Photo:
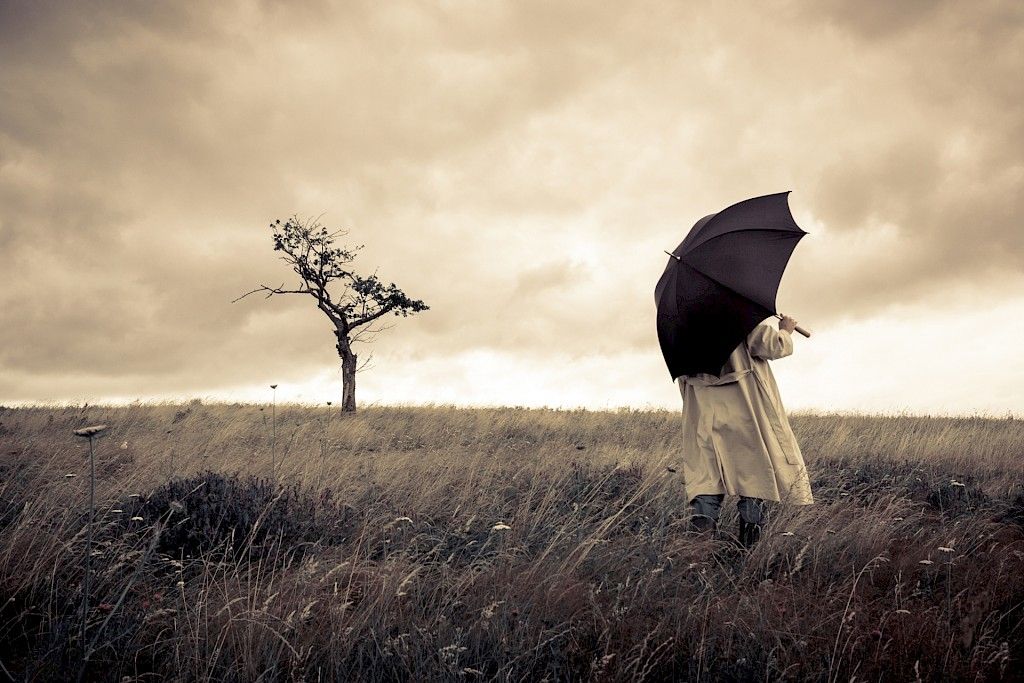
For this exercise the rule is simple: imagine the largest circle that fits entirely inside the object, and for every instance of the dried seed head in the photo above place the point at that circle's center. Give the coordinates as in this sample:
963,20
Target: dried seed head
87,432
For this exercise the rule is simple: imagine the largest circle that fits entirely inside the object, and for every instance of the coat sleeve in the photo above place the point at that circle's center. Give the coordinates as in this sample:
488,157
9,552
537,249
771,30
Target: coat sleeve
769,343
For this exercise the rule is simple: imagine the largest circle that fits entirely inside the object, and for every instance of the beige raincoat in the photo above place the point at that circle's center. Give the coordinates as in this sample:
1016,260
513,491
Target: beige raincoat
736,436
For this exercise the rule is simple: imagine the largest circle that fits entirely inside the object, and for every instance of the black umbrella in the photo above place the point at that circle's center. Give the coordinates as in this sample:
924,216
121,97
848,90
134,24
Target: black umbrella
722,281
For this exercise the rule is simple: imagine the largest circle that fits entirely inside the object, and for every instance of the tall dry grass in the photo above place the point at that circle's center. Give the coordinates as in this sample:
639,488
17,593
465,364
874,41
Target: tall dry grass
500,544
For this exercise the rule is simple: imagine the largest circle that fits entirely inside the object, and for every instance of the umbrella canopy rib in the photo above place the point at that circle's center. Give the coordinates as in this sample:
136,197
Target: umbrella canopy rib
771,309
770,212
691,248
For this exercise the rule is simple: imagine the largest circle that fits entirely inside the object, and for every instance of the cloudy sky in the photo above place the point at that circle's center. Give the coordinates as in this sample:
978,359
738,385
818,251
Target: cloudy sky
520,166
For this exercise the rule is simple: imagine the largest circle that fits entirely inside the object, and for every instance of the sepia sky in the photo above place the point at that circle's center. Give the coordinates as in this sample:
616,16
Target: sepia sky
520,166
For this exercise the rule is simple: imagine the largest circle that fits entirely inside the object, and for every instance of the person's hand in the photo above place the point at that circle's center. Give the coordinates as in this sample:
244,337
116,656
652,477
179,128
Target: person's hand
787,324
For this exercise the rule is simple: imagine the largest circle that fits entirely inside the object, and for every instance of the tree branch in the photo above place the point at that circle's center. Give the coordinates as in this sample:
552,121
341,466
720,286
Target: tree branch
271,291
370,318
366,363
367,335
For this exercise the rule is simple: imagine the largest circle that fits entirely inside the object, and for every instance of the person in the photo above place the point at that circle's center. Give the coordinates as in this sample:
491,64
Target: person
736,436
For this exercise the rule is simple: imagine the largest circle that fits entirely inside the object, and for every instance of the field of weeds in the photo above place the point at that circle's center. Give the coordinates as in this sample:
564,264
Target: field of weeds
488,544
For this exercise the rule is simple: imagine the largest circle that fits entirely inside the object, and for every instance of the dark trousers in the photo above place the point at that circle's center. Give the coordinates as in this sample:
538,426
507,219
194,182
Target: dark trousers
710,505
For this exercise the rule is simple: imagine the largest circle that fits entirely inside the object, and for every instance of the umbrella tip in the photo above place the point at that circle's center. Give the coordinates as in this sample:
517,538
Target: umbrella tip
677,258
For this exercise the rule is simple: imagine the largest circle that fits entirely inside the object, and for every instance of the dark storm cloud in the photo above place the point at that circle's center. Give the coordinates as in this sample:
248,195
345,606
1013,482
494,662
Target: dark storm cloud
519,166
942,162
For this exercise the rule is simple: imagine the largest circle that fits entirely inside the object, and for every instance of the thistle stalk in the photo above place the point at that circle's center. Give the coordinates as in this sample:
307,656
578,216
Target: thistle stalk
89,433
273,441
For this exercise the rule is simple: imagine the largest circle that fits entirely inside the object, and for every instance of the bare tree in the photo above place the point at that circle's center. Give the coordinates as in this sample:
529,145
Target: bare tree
353,303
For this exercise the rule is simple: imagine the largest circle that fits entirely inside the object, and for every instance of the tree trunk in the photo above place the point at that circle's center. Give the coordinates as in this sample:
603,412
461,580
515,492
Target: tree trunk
348,383
348,374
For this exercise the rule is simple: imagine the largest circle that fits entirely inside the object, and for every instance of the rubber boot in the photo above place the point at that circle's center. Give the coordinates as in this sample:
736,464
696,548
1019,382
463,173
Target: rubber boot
749,534
704,511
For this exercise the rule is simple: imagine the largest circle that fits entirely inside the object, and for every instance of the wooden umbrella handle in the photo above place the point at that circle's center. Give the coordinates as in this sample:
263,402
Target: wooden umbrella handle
806,333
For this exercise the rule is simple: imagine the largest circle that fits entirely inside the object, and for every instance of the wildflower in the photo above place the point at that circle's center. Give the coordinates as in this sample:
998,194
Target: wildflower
117,511
403,519
136,518
925,562
786,533
844,493
451,649
491,609
897,519
500,527
180,584
124,446
954,482
902,611
945,549
70,476
156,614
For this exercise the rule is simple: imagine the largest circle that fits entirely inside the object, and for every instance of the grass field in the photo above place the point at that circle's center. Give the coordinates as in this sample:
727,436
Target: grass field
487,544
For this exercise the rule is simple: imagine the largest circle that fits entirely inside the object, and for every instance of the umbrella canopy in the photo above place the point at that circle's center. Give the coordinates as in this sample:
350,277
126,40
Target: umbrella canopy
721,281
